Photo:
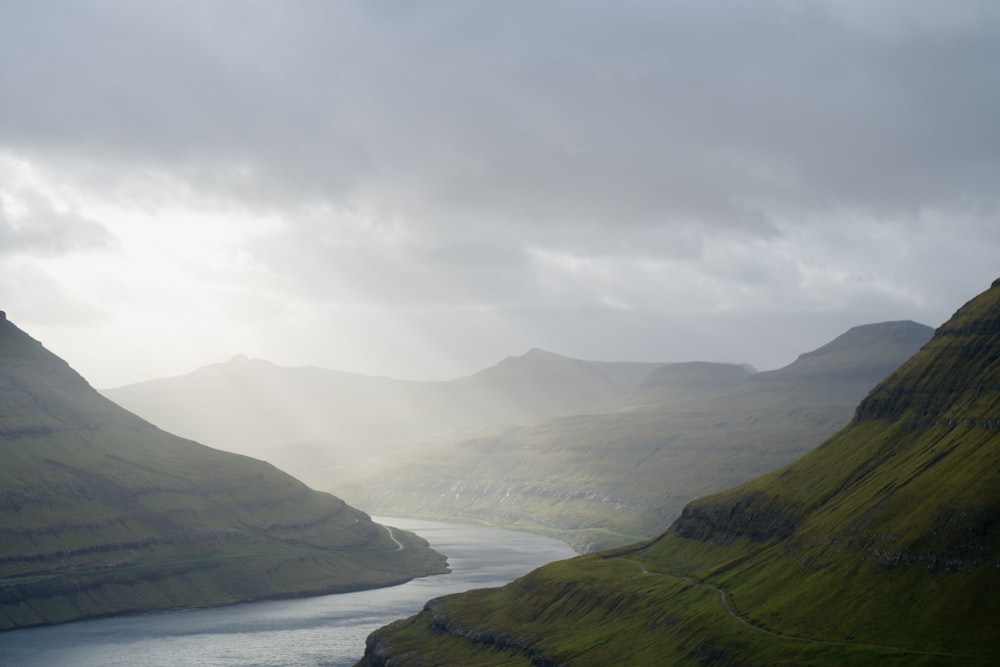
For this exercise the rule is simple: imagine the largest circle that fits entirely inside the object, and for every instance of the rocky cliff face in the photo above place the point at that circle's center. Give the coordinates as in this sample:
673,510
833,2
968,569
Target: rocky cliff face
754,515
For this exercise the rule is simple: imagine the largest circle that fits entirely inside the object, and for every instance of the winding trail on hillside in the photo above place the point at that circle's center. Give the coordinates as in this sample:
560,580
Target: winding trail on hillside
392,536
724,600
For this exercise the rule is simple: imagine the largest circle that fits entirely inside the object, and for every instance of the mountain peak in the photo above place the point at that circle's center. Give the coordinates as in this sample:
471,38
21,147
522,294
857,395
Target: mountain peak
535,355
240,362
866,334
538,353
692,379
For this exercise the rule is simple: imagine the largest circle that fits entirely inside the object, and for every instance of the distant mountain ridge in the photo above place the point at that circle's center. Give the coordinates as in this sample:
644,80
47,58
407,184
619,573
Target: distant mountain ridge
102,513
538,441
880,546
314,422
611,477
689,380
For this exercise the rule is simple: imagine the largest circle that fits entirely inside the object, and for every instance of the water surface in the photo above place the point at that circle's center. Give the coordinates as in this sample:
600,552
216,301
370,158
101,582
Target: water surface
327,630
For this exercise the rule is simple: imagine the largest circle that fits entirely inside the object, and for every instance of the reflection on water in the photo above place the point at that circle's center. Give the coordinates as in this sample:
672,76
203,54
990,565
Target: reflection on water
326,630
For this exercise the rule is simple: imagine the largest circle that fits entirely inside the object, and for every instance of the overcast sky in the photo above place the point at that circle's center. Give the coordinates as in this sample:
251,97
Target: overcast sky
421,188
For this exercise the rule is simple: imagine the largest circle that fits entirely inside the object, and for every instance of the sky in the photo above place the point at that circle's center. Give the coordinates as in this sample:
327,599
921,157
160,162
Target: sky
420,189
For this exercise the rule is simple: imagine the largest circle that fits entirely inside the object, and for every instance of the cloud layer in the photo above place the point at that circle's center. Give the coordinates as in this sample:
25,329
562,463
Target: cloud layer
450,181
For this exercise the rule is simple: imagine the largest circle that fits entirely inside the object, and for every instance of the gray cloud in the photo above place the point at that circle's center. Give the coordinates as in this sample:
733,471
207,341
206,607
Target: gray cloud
560,161
619,113
40,229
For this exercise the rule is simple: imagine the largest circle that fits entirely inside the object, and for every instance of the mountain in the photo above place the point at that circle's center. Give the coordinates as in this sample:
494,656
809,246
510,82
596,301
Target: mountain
538,383
595,453
881,546
102,513
687,381
254,407
862,356
320,424
613,477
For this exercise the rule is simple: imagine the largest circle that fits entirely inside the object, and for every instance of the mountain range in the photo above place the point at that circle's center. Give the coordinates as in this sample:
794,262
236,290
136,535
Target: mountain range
103,513
319,424
611,477
880,546
595,453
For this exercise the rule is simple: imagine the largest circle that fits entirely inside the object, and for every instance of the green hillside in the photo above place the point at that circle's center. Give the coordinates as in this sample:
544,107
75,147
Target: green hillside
102,513
881,546
614,477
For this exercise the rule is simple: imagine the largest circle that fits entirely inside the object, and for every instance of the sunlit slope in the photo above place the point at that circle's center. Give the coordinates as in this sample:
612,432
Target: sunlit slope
318,423
102,513
882,546
902,509
604,479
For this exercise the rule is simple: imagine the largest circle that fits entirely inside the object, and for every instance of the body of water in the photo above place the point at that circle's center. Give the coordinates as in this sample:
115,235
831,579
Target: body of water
327,630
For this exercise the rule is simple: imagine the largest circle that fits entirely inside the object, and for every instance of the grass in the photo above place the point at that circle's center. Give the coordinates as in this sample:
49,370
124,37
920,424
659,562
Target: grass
602,480
102,513
591,611
879,547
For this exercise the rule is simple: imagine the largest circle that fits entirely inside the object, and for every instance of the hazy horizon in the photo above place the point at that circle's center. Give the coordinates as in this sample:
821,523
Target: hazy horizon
420,190
241,357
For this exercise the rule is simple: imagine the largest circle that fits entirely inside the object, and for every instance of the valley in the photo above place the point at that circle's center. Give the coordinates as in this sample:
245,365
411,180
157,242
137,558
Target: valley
880,546
797,554
598,454
666,333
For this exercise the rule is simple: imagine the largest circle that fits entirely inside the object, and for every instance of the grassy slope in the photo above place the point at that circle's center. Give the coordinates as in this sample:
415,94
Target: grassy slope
880,547
102,513
599,480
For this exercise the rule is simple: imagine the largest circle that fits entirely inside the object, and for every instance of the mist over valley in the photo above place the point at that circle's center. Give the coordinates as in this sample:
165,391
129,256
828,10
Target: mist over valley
595,453
643,321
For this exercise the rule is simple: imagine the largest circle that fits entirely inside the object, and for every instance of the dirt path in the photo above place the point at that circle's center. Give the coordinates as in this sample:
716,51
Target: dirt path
724,600
392,536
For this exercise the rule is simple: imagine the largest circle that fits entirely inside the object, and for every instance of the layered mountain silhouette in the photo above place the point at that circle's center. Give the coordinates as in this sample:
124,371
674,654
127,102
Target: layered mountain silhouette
881,546
596,453
617,476
318,423
102,513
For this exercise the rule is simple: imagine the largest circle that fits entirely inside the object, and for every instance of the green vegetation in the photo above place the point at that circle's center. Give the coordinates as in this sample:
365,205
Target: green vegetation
596,453
611,478
102,513
882,546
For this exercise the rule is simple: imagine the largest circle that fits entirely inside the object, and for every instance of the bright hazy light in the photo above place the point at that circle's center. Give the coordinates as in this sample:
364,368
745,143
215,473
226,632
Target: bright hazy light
423,191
